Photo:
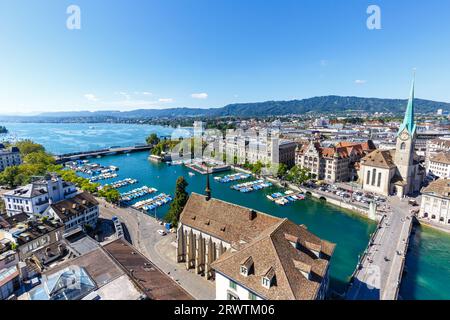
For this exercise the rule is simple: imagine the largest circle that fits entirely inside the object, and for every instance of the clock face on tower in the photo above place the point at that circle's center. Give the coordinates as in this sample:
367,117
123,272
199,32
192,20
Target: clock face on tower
404,135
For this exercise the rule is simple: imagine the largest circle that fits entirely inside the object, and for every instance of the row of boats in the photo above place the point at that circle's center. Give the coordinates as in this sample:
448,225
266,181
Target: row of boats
232,177
122,183
93,169
136,193
153,203
286,197
252,185
103,176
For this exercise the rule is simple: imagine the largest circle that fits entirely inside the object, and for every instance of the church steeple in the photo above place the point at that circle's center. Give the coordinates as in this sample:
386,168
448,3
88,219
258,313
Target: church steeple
207,189
408,121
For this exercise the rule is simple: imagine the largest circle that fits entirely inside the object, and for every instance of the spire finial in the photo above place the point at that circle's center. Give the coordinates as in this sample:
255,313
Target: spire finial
207,189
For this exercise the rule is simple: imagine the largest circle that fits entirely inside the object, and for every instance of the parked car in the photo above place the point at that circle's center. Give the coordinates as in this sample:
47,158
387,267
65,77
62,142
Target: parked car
162,232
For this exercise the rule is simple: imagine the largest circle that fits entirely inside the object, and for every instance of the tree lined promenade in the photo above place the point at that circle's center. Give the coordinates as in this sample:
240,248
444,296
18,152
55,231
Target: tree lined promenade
38,162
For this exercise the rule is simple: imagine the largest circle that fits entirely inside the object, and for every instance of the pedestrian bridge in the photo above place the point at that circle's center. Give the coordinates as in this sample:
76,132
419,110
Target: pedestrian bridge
378,274
101,152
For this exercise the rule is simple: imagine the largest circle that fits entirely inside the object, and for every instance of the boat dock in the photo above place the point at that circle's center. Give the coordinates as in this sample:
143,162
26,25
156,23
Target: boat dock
136,193
63,158
103,176
286,197
153,203
122,183
232,177
252,186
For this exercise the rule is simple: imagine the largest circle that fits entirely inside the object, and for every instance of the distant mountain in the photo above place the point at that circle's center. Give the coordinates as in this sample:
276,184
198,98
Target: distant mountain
325,104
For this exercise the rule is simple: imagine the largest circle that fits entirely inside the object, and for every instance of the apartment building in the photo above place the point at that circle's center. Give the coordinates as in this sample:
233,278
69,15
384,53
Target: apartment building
435,206
439,165
34,198
9,157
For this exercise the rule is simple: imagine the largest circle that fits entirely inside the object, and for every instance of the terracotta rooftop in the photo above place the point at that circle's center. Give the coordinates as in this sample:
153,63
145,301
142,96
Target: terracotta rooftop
380,159
273,251
225,220
442,157
266,242
440,187
65,209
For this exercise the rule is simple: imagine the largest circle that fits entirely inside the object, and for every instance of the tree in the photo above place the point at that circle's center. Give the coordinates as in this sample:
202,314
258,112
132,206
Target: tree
152,139
178,203
298,175
257,167
282,170
27,146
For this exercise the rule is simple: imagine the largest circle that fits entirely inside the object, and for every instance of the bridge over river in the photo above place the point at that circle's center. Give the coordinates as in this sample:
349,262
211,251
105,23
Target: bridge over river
102,152
379,272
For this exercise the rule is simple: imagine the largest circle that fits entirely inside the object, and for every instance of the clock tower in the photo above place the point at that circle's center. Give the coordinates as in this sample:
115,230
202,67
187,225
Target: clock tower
404,151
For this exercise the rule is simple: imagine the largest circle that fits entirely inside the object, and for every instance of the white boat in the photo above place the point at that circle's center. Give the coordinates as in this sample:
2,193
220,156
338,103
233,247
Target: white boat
191,174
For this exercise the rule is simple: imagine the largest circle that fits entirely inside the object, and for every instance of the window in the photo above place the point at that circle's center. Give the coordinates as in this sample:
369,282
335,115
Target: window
231,296
379,179
266,282
244,271
403,146
232,285
252,296
374,174
368,177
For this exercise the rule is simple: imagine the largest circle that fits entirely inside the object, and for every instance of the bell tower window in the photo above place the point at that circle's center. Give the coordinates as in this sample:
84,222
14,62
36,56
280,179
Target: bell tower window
403,146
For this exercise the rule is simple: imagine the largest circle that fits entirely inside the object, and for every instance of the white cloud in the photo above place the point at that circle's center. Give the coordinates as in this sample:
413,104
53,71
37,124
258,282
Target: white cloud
360,81
144,93
199,95
91,97
165,100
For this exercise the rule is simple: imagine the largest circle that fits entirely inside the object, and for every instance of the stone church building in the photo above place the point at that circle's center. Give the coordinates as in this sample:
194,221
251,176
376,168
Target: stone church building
396,171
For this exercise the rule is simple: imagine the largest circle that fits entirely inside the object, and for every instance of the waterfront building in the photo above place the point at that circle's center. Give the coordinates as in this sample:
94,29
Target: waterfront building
264,146
439,165
333,164
435,204
34,198
433,147
9,157
76,213
395,171
251,255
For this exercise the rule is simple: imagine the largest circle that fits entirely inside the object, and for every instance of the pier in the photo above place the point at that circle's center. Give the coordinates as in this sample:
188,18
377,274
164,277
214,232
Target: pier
102,152
379,271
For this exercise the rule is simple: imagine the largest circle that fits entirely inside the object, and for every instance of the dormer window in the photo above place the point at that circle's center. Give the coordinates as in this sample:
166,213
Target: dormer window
266,282
268,278
246,266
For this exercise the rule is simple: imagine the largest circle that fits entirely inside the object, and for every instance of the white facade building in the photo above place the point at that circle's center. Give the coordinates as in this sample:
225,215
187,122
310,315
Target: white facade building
435,206
9,157
35,197
439,165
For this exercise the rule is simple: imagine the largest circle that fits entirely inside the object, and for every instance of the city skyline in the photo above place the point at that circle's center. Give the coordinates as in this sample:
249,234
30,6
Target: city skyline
210,54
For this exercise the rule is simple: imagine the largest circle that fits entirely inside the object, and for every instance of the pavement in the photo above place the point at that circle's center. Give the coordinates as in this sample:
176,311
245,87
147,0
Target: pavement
141,230
381,270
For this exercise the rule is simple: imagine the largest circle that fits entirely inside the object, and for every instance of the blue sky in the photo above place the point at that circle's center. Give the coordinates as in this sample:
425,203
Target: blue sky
209,53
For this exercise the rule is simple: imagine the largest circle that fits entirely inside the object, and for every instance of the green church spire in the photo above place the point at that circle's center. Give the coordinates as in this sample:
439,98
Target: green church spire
408,121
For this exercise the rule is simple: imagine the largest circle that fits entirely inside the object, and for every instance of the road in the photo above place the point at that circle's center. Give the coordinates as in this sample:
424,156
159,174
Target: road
382,265
142,230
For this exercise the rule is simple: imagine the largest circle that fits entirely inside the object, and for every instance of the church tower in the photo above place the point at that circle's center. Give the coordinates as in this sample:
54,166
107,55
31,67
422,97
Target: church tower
404,151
